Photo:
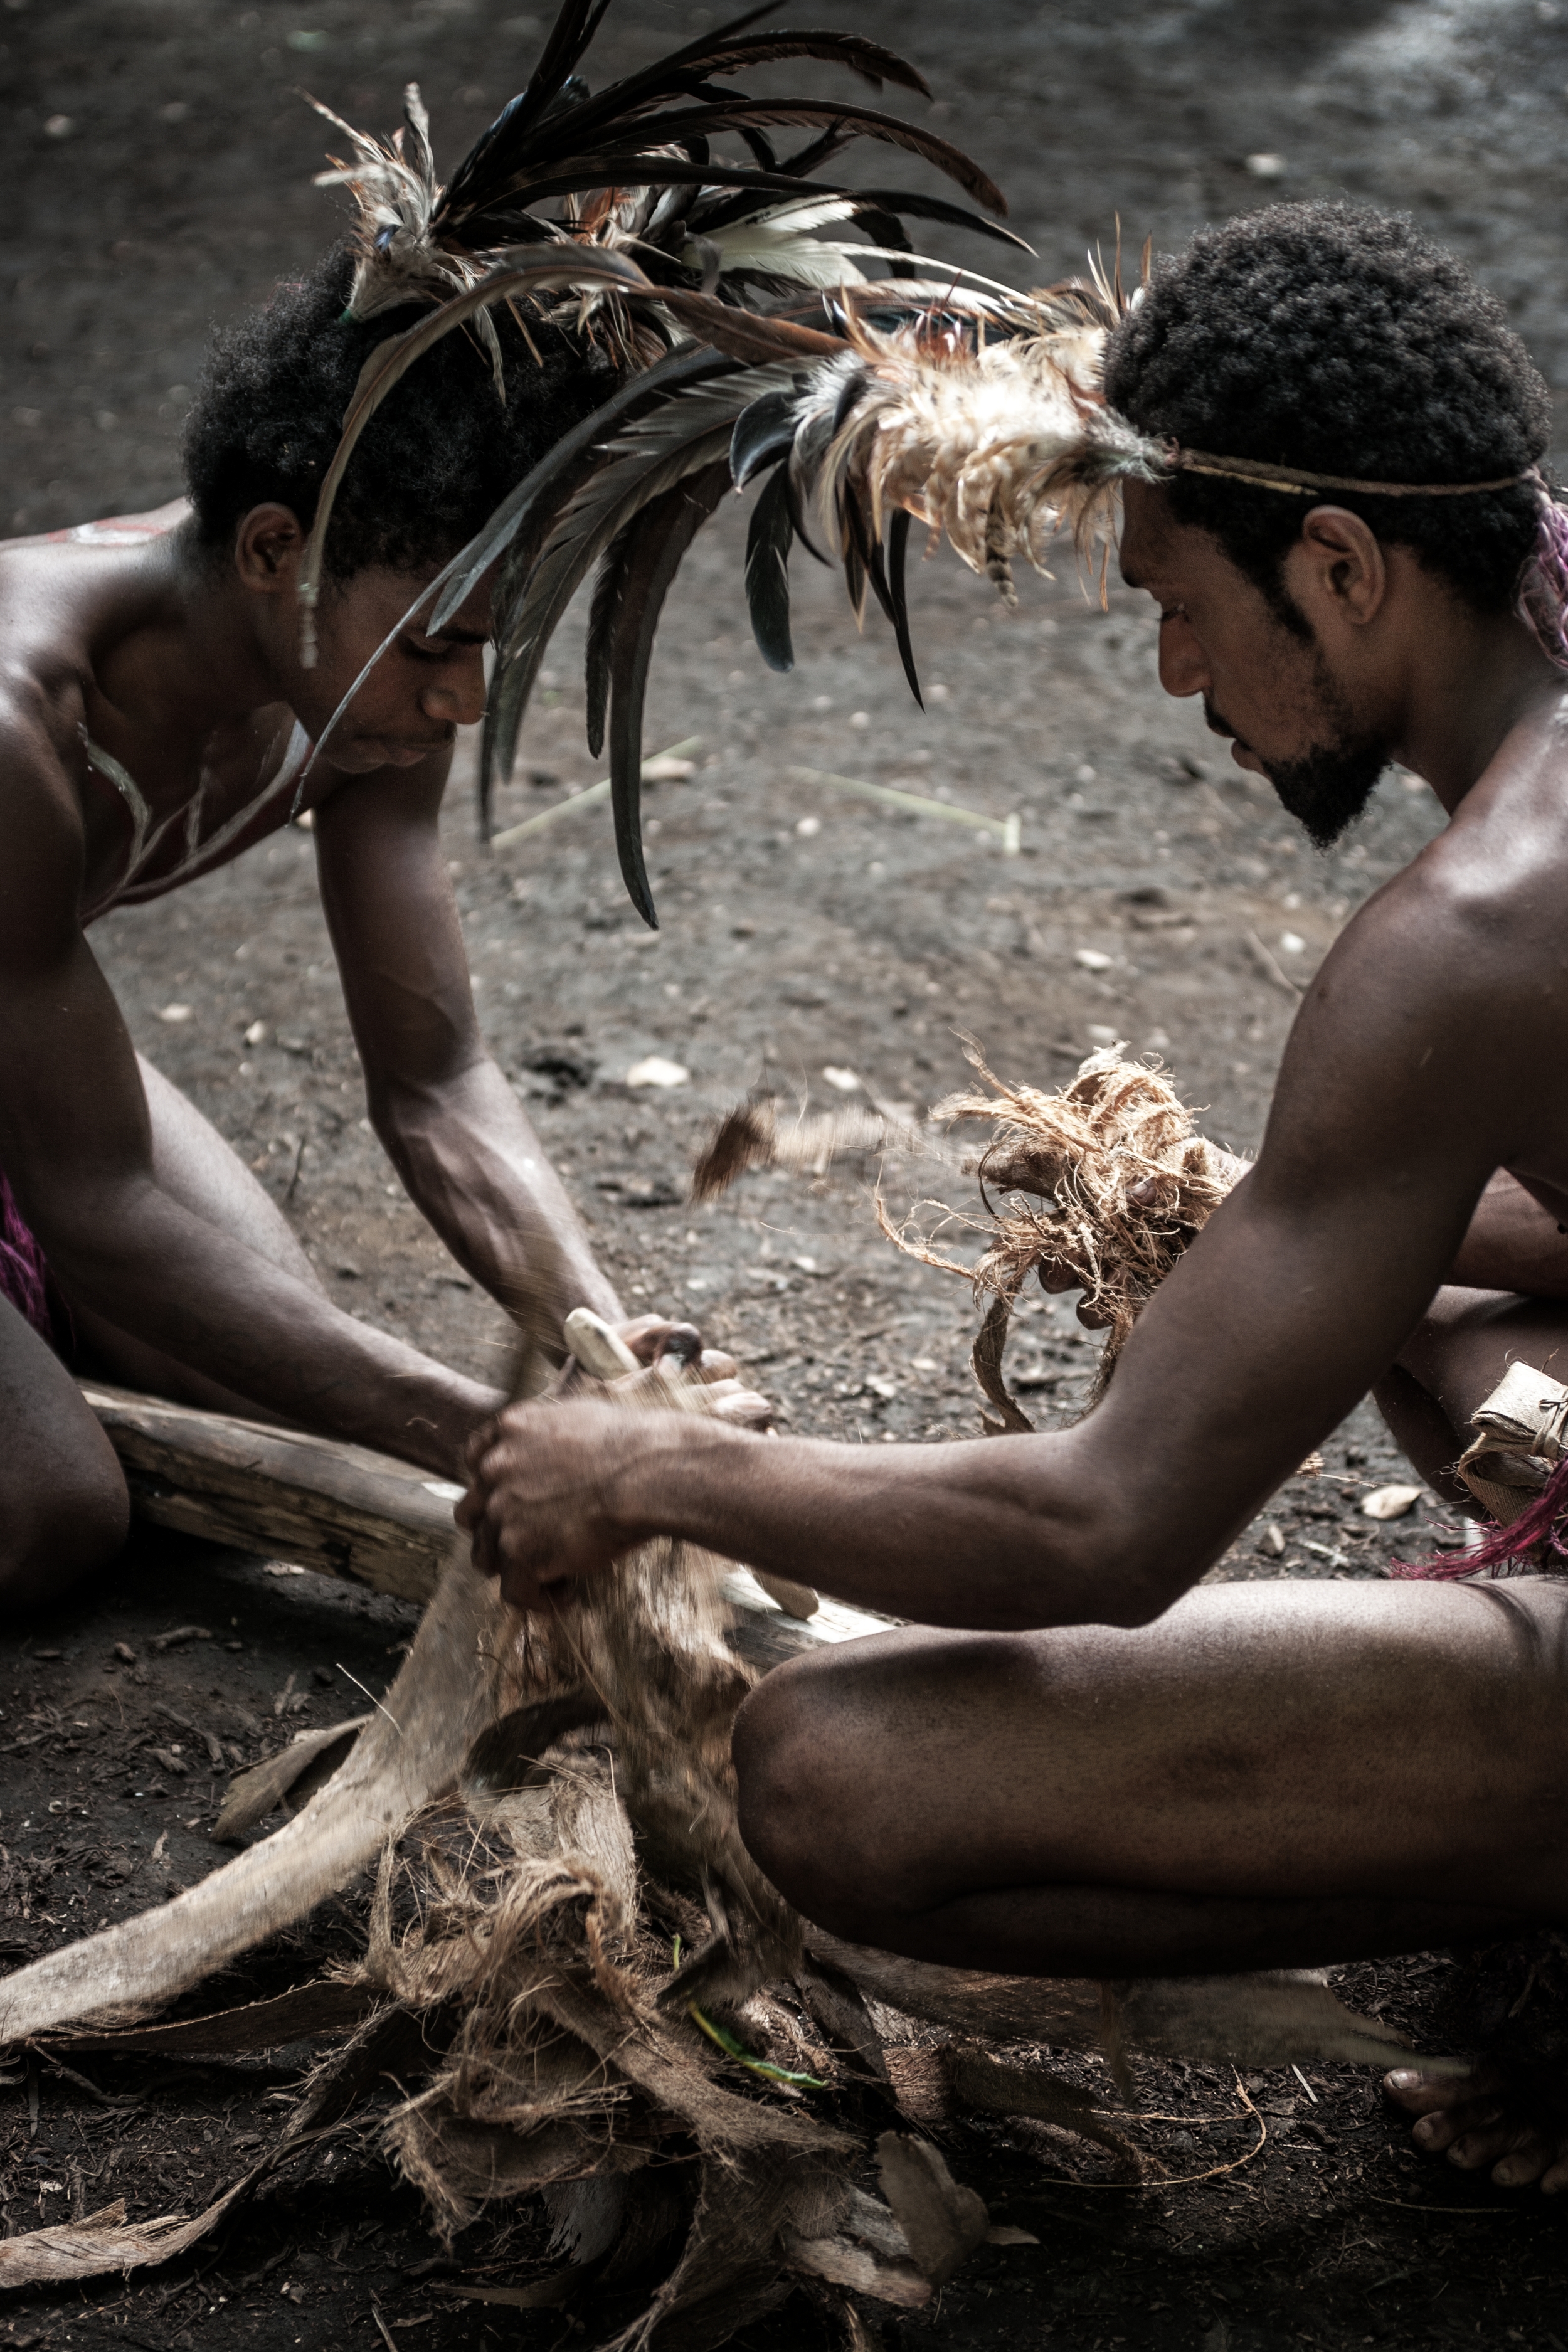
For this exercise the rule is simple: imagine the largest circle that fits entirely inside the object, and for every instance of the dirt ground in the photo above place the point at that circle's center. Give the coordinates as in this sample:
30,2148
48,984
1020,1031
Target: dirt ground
159,181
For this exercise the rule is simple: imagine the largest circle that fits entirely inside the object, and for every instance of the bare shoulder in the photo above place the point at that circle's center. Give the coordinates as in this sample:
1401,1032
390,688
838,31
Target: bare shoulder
109,531
1438,1019
1477,915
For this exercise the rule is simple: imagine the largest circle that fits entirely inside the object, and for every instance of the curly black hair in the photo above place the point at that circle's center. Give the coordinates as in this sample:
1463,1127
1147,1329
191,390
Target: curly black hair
1341,340
437,458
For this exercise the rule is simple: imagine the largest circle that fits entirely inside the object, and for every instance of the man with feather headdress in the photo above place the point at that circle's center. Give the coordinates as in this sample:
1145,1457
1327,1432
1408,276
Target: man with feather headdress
1073,1763
162,711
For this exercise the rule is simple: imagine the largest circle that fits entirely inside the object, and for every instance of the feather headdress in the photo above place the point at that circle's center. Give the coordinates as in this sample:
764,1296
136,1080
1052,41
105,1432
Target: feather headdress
633,169
977,412
978,415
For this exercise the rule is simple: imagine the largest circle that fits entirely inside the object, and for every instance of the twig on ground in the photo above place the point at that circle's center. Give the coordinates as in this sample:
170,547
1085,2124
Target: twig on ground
1008,830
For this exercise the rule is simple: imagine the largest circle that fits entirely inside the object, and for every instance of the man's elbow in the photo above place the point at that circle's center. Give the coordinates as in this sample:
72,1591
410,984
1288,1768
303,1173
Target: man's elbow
1118,1575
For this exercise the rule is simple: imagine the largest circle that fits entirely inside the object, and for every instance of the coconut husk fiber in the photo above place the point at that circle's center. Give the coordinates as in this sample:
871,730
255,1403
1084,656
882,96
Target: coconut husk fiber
1105,1181
589,1993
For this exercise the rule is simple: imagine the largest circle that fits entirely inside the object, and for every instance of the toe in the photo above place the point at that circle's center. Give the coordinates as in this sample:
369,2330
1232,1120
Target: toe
1443,2125
1524,2163
1472,2149
1421,2094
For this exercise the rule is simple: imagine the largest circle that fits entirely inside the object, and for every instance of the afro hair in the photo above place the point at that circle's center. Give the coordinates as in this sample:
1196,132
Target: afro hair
435,460
1338,340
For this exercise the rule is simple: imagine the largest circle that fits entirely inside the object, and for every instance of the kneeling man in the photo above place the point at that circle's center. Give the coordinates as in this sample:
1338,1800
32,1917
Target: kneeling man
1073,1762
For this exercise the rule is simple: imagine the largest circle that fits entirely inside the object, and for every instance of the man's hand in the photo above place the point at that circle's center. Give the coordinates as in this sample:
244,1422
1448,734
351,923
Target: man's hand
541,1507
541,1504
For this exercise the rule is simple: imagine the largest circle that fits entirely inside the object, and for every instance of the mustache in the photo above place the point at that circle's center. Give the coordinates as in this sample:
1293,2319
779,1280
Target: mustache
1218,724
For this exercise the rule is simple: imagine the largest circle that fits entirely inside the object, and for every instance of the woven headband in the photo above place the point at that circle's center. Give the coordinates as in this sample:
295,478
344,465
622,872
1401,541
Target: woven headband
1296,483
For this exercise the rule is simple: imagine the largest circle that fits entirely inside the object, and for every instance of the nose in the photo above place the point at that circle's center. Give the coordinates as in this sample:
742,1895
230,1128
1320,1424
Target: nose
1183,670
457,699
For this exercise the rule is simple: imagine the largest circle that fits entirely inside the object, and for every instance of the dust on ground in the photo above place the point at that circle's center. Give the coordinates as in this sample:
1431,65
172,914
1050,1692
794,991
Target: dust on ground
160,179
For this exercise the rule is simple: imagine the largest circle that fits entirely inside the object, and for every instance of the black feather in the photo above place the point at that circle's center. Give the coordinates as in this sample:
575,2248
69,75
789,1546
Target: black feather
683,438
859,528
898,545
761,147
661,535
702,61
602,615
768,544
763,433
855,582
895,201
708,121
525,517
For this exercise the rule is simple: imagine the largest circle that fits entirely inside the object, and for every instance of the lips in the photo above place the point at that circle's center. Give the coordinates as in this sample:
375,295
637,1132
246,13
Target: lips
393,754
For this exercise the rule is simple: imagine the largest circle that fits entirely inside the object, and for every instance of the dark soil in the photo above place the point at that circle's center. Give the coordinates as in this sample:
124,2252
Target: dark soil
160,179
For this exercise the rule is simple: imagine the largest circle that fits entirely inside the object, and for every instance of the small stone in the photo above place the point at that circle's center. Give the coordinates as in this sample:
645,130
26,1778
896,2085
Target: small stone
654,1071
1391,1502
1092,959
174,1015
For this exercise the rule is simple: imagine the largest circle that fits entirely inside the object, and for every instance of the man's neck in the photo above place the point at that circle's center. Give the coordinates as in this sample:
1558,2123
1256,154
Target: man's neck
1473,682
192,658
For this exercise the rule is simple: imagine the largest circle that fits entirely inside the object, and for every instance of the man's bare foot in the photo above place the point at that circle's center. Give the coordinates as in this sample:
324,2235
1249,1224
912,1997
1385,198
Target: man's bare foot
1471,2117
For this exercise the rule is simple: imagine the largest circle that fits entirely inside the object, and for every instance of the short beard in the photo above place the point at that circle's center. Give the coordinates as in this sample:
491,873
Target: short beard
1328,787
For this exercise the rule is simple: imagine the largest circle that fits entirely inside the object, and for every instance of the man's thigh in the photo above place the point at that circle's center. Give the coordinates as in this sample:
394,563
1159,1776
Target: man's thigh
196,1167
63,1504
1291,1739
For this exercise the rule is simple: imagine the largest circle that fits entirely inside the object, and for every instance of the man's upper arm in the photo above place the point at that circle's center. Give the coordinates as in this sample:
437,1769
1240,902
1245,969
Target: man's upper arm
1306,1283
73,1114
393,921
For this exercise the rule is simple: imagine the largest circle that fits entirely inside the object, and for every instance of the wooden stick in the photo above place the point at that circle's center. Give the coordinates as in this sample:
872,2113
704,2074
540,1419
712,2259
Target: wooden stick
312,1500
347,1511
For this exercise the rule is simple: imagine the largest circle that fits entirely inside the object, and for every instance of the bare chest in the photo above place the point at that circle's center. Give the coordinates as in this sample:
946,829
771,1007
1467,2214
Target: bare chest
155,825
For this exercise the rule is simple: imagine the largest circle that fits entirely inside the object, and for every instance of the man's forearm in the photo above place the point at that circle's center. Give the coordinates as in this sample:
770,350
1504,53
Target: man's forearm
1513,1243
151,1268
477,1170
985,1534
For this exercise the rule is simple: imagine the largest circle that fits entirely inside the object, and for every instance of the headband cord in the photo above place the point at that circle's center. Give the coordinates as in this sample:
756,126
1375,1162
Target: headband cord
1542,602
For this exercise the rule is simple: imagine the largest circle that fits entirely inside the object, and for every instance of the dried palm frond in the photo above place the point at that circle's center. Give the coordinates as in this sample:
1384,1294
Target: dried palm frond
1104,1183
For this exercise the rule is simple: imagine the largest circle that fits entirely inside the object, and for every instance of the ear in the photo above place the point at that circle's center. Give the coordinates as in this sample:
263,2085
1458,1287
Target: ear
1337,570
268,546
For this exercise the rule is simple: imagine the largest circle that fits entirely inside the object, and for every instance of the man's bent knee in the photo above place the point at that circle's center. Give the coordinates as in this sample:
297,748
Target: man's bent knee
54,1534
799,1764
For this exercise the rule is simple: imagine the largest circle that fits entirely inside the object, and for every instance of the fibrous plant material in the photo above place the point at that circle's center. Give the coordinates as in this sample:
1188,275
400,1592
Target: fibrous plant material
753,1135
1104,1183
552,1802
